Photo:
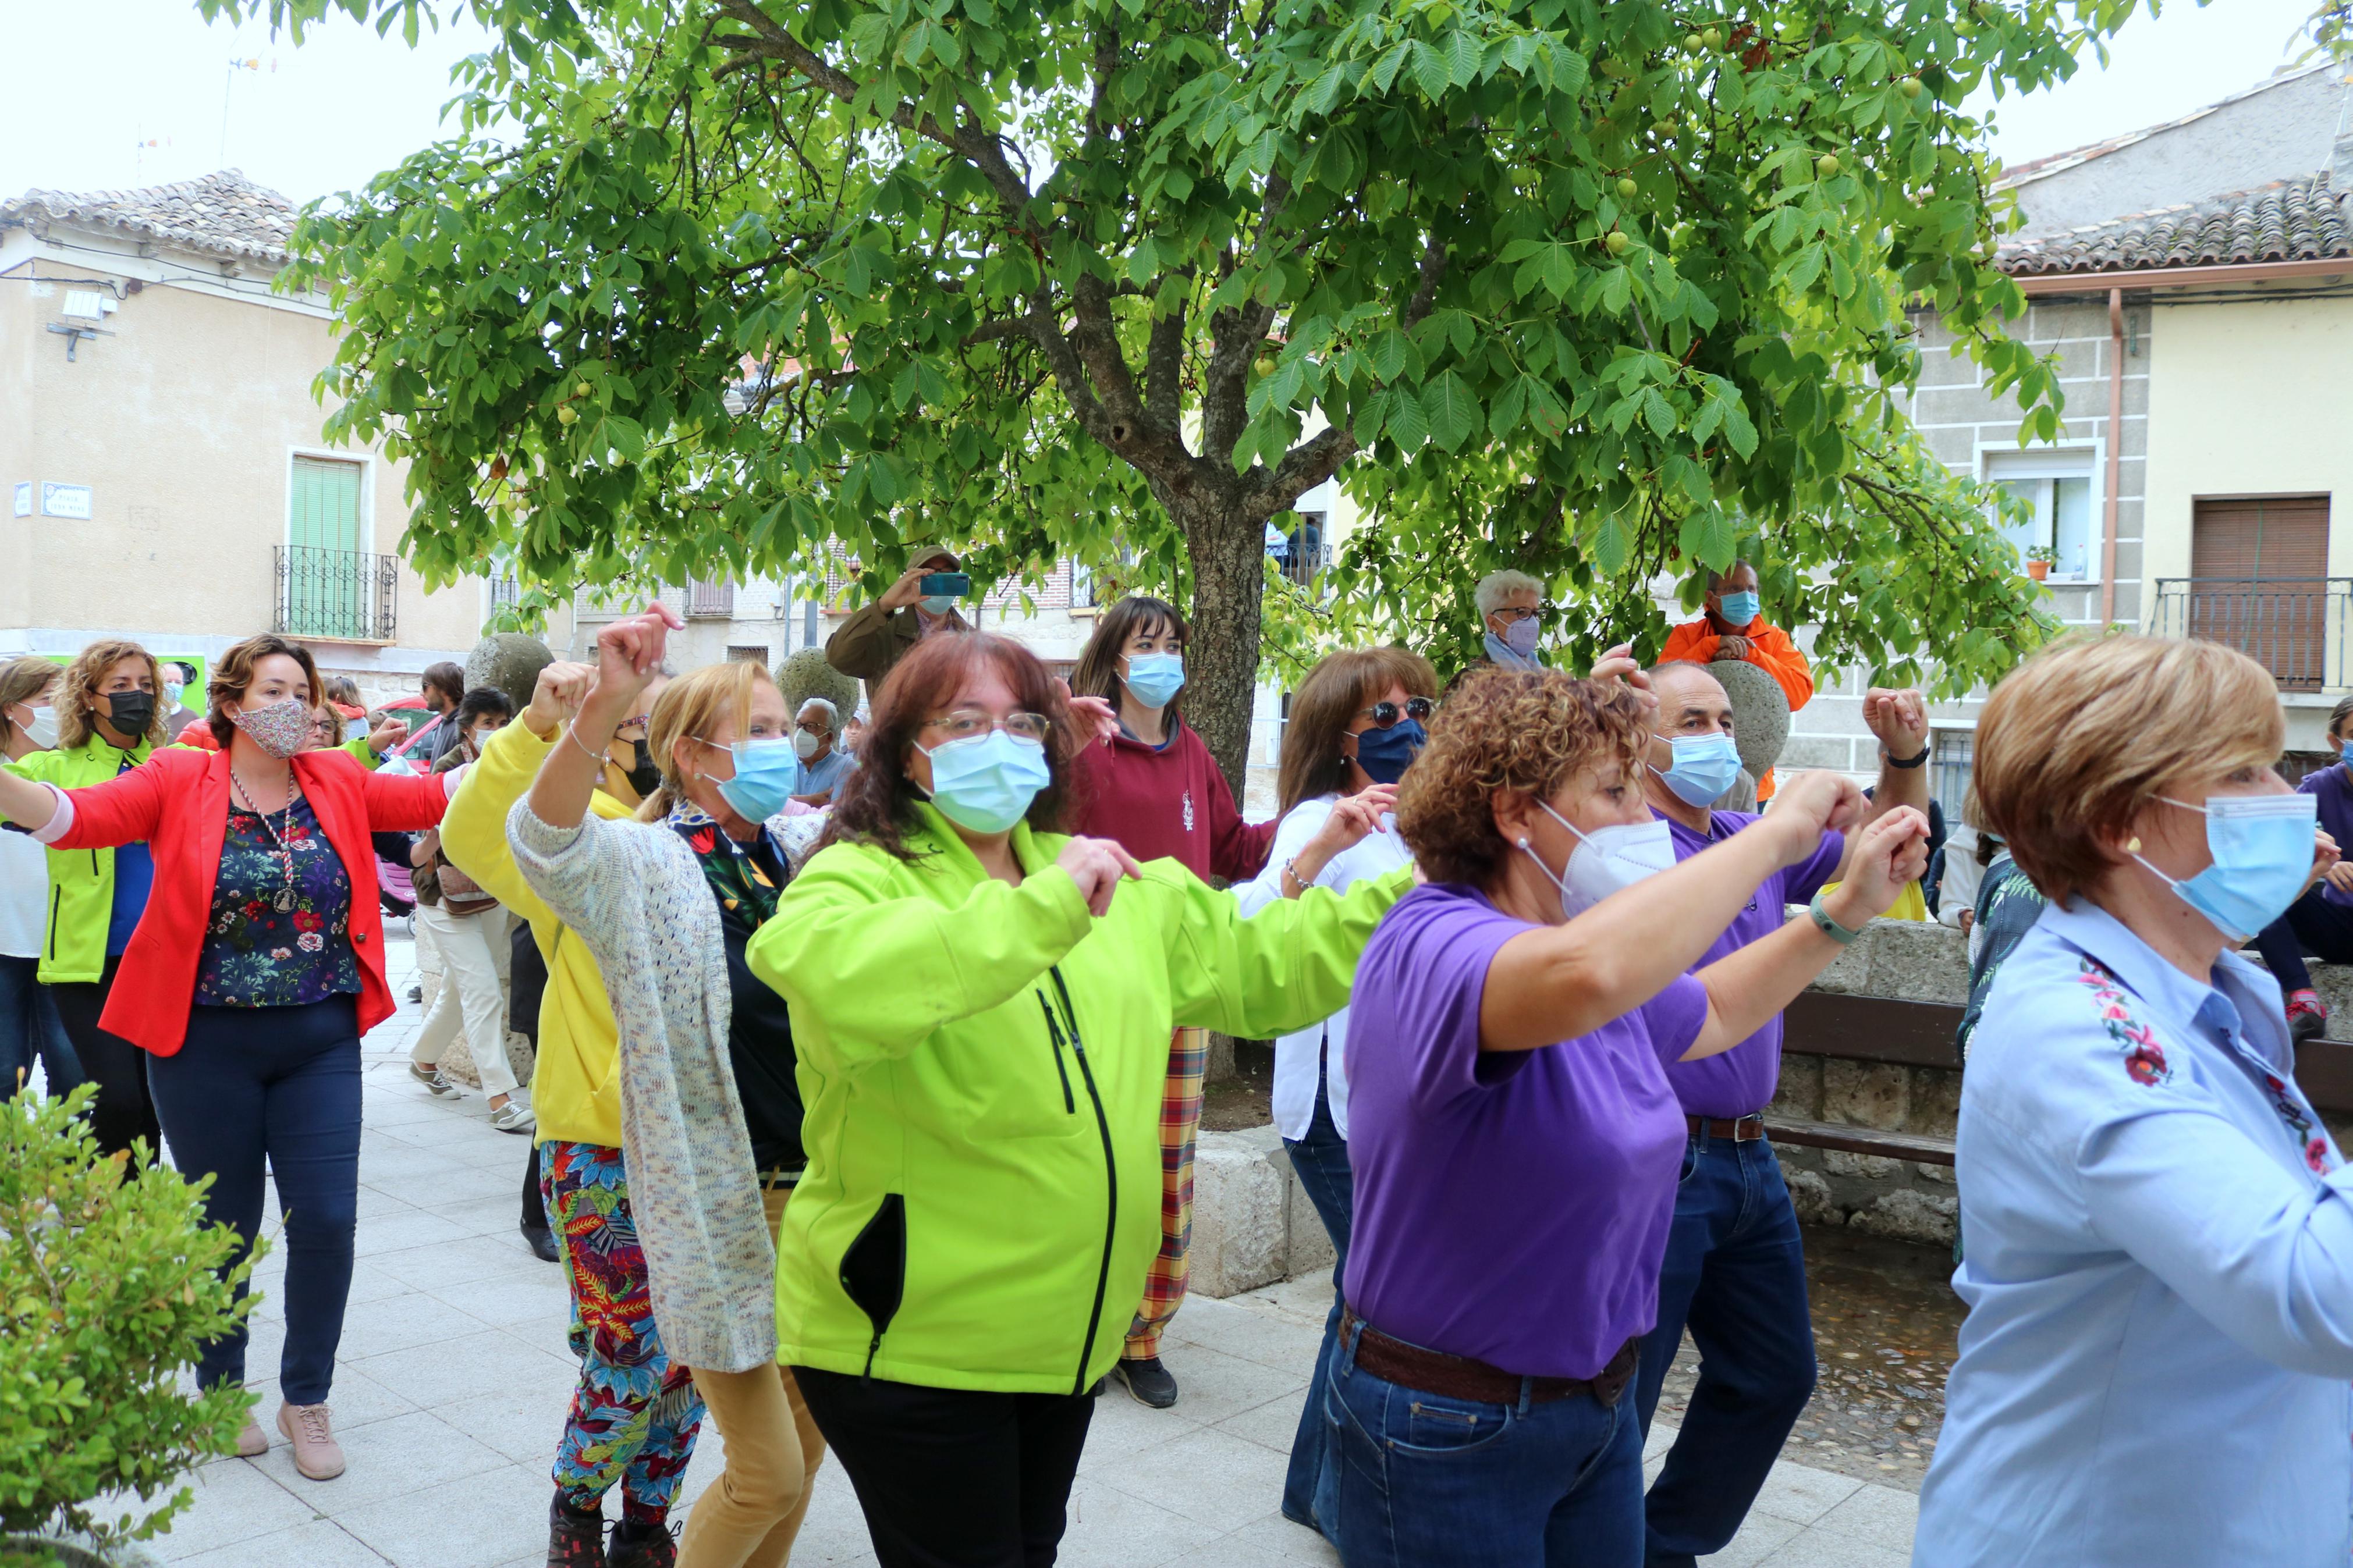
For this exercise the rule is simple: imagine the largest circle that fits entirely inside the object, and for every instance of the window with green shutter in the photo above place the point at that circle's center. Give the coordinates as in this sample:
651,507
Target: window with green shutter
328,580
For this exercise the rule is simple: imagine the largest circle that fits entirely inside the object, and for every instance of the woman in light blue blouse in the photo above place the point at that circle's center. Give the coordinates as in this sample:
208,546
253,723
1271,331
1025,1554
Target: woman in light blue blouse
2160,1273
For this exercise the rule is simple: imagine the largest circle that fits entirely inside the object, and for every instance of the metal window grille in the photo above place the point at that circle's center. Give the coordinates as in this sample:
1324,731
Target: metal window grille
2294,627
339,595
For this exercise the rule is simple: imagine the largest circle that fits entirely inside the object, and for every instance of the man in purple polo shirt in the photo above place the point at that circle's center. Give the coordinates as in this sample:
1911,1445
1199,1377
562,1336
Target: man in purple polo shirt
1735,1269
2320,922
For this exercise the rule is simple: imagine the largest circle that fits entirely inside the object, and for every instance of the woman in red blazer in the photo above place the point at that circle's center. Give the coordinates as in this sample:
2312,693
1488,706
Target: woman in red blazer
254,971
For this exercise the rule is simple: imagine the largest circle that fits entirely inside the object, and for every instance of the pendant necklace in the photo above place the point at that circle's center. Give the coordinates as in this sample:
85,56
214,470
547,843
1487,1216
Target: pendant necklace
283,900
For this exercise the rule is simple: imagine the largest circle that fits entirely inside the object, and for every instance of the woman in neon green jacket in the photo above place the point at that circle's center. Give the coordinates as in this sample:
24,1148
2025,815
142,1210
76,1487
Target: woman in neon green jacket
982,1009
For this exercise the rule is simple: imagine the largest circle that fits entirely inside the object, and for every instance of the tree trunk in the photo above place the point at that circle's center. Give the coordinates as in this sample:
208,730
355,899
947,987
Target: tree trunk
1228,550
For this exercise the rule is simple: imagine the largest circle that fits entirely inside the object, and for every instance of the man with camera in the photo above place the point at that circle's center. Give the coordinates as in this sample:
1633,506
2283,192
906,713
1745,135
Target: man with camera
922,602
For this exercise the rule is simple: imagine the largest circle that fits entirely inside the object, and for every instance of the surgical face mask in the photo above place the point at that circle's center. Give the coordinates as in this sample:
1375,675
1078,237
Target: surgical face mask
1705,767
1740,608
1385,754
172,689
281,728
938,604
1153,677
805,744
43,730
130,712
2262,850
765,774
1521,636
1606,860
986,782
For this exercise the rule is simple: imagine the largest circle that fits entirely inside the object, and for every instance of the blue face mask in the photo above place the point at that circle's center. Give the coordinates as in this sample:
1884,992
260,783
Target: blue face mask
1739,609
2262,850
1705,767
986,782
1153,677
938,604
1385,754
765,774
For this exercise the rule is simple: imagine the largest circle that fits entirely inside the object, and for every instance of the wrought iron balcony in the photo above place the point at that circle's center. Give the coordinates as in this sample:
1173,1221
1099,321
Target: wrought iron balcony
347,595
2296,628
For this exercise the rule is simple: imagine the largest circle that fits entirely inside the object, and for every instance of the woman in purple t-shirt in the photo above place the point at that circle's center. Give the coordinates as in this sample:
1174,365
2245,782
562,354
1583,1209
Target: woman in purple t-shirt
1515,1137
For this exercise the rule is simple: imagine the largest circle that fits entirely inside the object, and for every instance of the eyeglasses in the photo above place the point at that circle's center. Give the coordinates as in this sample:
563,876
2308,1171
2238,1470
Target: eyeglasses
970,723
1515,614
1384,714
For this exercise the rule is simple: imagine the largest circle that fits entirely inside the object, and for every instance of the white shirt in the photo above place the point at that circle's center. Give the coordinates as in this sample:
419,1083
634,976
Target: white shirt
1962,876
1296,1055
23,896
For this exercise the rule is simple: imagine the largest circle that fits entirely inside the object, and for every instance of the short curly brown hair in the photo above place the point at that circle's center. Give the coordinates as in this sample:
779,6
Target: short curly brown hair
1529,730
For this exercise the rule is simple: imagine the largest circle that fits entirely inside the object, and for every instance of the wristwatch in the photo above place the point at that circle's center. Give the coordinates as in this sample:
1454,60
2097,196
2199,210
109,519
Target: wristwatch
1829,928
1912,762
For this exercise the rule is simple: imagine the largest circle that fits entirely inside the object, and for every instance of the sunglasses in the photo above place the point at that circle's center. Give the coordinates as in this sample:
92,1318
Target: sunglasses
1384,714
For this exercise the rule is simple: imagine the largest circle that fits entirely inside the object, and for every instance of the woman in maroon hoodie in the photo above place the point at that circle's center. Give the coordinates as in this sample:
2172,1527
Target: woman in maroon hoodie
1155,788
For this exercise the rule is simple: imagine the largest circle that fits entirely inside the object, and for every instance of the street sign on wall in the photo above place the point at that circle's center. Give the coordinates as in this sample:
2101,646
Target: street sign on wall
65,501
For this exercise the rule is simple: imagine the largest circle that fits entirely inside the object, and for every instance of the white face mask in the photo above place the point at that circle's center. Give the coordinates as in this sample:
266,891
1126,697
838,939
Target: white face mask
805,744
43,731
1607,860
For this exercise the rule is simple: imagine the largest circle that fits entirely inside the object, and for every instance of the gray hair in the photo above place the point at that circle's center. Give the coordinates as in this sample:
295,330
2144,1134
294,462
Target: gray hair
832,713
1497,586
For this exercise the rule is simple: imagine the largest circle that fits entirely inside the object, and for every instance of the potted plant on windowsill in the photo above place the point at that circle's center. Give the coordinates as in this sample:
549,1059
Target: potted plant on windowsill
112,1283
2039,560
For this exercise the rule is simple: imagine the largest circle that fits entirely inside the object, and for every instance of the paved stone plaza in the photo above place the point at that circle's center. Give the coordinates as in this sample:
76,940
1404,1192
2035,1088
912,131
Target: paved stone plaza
454,1378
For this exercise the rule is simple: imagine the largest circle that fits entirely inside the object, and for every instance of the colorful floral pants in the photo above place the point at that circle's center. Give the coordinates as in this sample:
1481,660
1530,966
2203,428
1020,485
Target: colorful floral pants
635,1414
1180,1124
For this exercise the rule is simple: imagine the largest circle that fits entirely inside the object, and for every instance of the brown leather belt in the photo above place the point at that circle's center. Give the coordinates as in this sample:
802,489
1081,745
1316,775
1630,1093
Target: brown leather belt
1461,1377
1747,1129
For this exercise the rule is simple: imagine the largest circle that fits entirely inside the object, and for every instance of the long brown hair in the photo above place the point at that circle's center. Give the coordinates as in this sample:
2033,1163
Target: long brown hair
22,681
876,803
689,706
1097,672
232,674
78,699
1340,686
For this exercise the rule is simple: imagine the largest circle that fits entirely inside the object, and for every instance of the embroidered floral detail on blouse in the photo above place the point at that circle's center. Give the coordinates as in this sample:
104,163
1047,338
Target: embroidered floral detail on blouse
2317,1156
2143,1057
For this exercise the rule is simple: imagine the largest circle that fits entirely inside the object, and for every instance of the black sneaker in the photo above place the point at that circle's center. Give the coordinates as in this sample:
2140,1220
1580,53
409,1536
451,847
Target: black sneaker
635,1548
1149,1381
416,994
574,1539
541,1242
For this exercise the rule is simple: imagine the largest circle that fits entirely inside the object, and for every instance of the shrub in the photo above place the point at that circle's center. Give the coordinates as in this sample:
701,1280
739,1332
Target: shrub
109,1284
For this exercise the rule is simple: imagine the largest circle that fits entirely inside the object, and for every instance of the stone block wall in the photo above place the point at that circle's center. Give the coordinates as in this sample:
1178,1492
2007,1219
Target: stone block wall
1252,1225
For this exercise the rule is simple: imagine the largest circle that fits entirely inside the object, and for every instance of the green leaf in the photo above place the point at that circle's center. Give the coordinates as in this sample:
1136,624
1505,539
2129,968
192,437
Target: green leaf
1453,416
1409,426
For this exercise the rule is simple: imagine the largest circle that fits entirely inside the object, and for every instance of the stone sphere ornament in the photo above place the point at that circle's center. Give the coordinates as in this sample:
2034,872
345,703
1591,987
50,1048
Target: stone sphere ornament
509,661
1760,713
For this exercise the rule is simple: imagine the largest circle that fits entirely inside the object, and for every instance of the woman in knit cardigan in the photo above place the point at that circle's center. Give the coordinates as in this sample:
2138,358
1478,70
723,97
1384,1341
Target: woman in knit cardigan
710,1113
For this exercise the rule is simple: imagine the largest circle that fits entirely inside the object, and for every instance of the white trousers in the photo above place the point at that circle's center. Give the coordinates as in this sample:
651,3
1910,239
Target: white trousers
475,952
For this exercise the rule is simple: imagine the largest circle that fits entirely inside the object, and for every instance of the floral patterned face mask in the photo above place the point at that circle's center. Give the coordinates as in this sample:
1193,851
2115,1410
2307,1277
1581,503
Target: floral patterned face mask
282,729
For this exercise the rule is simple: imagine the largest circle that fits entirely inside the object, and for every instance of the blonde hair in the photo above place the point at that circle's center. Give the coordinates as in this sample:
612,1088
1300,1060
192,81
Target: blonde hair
22,681
689,706
2076,742
77,697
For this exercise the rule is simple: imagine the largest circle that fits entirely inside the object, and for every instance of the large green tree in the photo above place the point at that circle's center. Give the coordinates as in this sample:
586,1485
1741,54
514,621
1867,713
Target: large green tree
1597,289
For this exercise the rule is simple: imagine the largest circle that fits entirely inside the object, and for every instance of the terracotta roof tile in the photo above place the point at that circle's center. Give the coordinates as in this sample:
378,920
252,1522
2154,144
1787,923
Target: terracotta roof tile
223,214
2287,220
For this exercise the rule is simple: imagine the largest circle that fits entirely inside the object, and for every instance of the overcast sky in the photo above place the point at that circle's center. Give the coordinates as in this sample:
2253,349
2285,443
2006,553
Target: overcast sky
91,82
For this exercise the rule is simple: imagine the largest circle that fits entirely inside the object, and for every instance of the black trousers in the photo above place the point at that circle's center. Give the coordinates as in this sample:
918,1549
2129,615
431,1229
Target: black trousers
952,1479
526,985
2312,925
123,1110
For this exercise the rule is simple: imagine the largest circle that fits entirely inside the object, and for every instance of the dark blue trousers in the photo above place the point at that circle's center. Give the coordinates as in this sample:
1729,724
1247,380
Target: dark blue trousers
274,1087
2312,925
1735,1274
31,1031
1321,1160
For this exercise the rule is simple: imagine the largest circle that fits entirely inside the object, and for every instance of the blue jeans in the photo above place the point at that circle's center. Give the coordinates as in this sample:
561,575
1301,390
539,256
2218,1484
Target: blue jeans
279,1084
1321,1160
30,1030
1735,1274
1426,1481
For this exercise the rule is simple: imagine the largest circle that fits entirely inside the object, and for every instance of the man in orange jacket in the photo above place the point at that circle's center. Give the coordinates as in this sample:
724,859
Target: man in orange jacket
1734,628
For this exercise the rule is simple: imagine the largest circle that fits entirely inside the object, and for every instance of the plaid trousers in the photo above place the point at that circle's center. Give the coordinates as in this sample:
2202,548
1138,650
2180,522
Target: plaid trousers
1180,1124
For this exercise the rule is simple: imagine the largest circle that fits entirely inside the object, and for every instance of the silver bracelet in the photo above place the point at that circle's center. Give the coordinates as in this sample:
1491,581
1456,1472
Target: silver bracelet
572,733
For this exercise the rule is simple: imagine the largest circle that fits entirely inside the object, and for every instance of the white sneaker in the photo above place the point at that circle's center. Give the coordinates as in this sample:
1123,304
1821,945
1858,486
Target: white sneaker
429,1075
514,1116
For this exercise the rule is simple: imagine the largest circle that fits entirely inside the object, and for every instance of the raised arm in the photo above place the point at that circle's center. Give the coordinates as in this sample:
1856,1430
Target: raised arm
1747,988
124,809
1269,973
882,970
407,802
1556,982
628,652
